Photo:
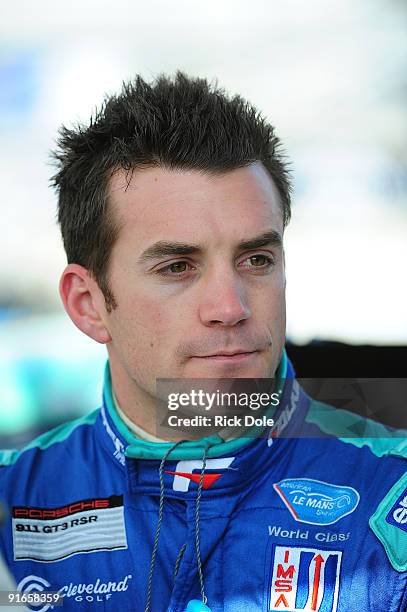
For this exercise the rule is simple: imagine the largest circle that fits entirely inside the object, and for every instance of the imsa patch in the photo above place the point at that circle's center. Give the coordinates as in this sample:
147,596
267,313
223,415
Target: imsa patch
53,534
304,579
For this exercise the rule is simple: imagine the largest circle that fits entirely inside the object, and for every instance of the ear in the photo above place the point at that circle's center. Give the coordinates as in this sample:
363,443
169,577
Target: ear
84,302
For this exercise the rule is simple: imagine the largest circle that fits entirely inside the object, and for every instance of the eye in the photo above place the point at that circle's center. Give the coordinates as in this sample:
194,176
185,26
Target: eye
177,268
258,261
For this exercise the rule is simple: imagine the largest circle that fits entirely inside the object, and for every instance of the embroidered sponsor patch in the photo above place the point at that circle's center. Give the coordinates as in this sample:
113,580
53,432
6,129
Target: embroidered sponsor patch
316,502
389,524
118,446
183,473
83,592
285,416
53,534
304,579
398,514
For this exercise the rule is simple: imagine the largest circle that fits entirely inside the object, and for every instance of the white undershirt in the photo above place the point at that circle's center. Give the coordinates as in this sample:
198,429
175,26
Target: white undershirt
135,429
144,435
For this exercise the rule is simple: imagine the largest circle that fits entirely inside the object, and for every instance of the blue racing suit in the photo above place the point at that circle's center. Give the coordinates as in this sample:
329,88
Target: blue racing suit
282,523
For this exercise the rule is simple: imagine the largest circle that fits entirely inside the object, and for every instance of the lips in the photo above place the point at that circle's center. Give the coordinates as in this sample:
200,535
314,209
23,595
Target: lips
229,353
228,357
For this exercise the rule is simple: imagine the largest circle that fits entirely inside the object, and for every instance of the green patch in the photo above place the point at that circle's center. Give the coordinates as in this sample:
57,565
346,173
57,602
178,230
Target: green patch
389,524
8,457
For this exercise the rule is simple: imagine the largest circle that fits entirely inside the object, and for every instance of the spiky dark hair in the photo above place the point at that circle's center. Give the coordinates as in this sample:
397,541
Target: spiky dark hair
176,123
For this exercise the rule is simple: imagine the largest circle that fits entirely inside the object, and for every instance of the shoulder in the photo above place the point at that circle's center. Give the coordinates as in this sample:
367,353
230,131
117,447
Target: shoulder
384,453
357,431
53,441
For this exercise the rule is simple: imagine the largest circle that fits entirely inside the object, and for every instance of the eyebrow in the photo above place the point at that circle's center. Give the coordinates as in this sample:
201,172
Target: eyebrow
167,249
164,249
269,238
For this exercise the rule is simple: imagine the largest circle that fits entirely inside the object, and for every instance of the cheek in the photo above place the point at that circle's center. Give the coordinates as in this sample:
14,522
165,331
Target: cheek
271,302
149,322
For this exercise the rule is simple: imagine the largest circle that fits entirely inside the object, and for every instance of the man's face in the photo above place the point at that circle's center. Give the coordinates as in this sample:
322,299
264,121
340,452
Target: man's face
198,275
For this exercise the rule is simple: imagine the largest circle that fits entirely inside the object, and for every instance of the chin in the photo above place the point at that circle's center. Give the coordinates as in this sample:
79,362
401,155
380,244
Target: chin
229,371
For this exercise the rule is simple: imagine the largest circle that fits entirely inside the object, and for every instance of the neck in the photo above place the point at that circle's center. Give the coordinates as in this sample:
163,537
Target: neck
144,412
139,407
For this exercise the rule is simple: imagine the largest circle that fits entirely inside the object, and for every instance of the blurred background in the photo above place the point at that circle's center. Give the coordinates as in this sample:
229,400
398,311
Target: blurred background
331,76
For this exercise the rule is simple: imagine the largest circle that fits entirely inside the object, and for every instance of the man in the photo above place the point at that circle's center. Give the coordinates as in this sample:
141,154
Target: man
172,205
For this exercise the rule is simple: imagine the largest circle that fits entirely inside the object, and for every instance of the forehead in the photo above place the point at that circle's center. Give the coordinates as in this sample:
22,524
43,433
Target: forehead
160,204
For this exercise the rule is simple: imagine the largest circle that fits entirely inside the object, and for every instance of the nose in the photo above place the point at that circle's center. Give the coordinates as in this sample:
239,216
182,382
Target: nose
224,302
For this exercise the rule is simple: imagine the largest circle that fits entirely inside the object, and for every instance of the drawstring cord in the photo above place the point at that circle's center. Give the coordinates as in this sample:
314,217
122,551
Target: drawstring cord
158,530
179,558
198,549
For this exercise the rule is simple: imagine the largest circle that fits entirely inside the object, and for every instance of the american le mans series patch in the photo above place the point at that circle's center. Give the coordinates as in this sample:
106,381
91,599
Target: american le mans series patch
53,534
317,502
